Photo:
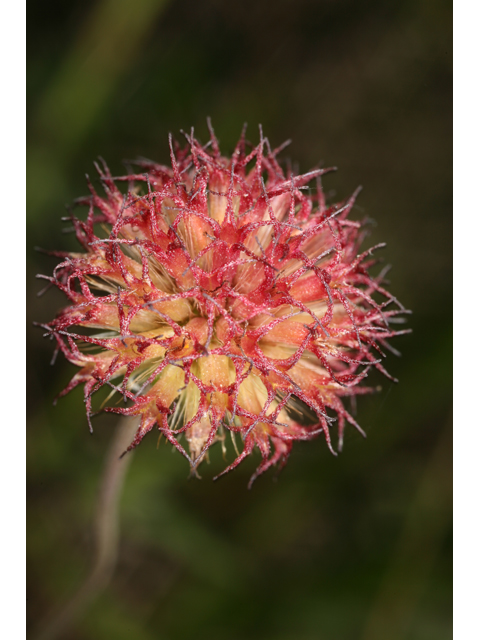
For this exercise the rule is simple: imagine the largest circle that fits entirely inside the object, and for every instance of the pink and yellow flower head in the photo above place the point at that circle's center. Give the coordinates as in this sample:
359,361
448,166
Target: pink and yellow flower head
222,295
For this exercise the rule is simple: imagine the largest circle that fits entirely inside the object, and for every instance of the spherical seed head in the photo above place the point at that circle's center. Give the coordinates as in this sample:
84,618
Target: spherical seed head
222,295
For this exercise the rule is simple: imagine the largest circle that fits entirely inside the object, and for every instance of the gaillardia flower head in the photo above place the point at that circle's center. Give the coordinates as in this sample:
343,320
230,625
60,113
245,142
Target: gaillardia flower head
222,295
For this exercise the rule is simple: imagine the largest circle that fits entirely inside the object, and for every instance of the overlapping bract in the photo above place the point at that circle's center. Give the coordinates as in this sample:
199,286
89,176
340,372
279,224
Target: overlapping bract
222,295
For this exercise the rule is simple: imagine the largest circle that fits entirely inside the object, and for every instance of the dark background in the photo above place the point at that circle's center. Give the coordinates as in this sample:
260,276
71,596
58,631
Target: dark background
354,547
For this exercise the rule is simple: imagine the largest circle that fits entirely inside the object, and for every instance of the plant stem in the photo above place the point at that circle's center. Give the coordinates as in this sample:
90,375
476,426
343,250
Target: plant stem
106,533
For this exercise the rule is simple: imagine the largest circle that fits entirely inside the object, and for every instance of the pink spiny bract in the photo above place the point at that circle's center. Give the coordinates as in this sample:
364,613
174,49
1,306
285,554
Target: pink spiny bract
221,295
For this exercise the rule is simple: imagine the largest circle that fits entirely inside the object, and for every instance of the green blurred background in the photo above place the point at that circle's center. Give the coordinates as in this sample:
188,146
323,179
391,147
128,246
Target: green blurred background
356,547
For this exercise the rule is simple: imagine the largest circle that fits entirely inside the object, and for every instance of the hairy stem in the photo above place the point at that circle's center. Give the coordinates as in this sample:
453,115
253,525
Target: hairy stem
106,533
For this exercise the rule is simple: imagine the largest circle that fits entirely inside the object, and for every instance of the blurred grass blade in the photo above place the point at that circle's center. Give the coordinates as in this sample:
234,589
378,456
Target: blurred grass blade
105,49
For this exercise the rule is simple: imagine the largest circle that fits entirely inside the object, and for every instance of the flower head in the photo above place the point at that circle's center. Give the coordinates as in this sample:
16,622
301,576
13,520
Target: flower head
222,295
